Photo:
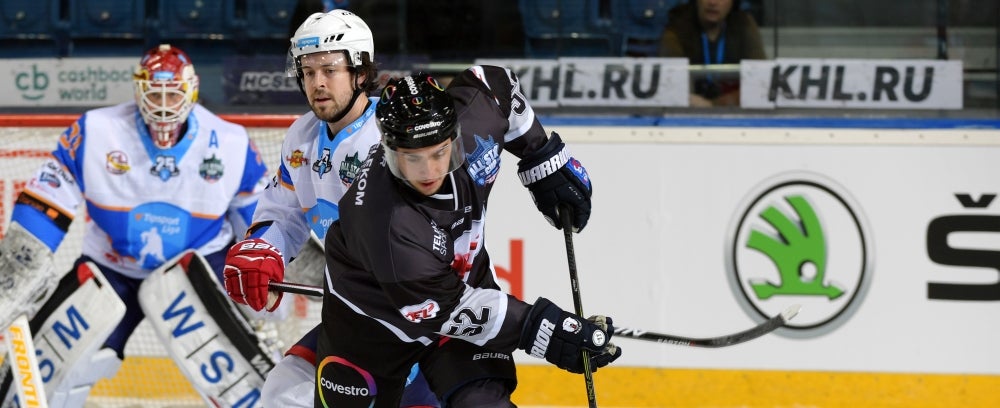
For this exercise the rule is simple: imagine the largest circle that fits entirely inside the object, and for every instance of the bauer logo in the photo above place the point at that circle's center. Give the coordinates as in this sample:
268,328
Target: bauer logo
799,238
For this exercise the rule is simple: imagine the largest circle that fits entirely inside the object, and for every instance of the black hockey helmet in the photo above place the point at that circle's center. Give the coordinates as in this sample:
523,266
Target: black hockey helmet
414,112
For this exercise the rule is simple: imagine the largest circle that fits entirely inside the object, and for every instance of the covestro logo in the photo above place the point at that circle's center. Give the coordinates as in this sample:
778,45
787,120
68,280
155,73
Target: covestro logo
799,238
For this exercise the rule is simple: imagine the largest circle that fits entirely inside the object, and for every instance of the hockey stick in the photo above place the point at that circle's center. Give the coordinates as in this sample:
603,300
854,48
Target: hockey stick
24,364
565,215
766,327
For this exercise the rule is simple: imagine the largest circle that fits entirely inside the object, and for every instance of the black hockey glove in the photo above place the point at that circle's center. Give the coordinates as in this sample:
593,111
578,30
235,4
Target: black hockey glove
559,337
555,178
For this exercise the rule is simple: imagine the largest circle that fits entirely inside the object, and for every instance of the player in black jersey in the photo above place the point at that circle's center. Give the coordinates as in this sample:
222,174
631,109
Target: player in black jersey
409,279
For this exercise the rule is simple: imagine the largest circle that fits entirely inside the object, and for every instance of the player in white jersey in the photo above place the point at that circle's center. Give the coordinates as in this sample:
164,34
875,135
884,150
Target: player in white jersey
159,175
331,55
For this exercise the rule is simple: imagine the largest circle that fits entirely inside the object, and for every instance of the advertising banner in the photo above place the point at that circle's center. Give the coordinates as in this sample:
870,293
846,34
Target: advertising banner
635,82
54,82
851,83
889,249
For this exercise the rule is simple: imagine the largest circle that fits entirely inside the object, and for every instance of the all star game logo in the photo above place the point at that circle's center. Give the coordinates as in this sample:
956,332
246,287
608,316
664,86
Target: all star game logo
349,168
799,238
211,169
484,162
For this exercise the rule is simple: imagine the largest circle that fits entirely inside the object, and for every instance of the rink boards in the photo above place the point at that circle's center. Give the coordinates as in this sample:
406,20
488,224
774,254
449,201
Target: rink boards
896,277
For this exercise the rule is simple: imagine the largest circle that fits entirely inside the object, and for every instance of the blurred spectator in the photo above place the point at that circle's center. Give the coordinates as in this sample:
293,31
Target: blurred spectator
712,32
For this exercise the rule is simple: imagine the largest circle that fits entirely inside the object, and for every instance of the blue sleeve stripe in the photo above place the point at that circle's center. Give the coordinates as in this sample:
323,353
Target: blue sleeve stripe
253,172
39,224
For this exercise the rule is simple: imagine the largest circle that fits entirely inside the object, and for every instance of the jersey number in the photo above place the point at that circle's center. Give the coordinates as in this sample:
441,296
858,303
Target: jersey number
467,323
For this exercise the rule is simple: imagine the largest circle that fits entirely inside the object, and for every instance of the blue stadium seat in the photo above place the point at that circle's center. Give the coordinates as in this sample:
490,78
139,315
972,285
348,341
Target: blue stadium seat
35,25
269,18
564,28
642,23
197,19
107,19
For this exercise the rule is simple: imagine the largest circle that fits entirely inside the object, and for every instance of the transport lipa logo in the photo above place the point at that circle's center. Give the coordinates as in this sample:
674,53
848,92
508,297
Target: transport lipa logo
799,238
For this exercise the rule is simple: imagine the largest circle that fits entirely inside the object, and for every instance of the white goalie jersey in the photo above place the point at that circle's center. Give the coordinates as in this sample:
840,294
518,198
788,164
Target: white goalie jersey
316,169
144,204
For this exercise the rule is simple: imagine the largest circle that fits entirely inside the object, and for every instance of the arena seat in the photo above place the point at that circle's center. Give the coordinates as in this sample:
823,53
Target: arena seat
642,23
269,18
564,28
107,27
197,19
35,25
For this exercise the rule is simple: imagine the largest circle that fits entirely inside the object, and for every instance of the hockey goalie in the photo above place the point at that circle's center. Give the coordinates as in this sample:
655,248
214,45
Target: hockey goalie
167,186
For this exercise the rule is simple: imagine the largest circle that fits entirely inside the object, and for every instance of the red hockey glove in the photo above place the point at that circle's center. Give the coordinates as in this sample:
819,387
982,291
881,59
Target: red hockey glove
560,337
250,265
554,178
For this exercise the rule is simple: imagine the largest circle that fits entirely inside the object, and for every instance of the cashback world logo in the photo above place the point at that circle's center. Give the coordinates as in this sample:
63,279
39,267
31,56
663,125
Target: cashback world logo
799,238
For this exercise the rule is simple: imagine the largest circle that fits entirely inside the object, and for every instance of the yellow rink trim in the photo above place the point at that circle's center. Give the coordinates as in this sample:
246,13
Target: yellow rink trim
616,387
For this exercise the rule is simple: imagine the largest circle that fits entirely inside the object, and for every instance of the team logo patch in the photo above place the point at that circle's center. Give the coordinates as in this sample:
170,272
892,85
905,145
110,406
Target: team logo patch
323,164
578,170
297,159
50,179
484,162
349,168
211,169
117,162
571,325
417,313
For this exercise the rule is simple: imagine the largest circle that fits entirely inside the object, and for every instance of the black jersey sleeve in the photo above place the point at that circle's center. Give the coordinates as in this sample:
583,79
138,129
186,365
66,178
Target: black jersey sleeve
482,88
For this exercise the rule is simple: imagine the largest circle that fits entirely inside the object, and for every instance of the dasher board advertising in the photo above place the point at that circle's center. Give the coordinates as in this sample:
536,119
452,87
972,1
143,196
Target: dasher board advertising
600,82
851,83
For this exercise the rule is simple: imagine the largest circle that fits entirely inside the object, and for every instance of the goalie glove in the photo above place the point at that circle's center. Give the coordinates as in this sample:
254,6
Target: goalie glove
560,337
27,274
554,178
250,265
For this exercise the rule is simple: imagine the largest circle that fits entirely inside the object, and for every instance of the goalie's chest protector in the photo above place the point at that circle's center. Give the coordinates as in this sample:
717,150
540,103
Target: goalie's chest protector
153,203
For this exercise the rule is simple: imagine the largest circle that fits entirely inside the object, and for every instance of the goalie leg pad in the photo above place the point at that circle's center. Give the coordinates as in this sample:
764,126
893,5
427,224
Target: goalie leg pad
72,326
203,333
74,390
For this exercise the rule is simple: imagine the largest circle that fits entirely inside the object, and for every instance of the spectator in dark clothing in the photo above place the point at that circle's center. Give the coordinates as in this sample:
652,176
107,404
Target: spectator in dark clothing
712,32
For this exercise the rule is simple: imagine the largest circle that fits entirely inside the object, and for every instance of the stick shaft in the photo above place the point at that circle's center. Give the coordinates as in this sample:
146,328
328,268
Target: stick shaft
24,364
565,215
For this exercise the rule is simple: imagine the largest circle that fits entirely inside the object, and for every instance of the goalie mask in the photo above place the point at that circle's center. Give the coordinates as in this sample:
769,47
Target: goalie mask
166,89
419,129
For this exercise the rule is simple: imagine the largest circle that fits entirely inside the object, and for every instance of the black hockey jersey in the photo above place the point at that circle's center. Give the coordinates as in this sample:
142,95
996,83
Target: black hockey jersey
417,264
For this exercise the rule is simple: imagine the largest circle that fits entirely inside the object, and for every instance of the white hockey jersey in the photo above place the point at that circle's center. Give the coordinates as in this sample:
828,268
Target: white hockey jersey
316,169
145,204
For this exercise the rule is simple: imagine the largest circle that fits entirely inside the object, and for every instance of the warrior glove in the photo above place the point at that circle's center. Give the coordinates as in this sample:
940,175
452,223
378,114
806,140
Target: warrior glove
555,178
560,337
250,265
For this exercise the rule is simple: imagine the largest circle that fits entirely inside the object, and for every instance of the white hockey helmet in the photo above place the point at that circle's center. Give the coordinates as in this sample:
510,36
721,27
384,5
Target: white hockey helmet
335,30
166,90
